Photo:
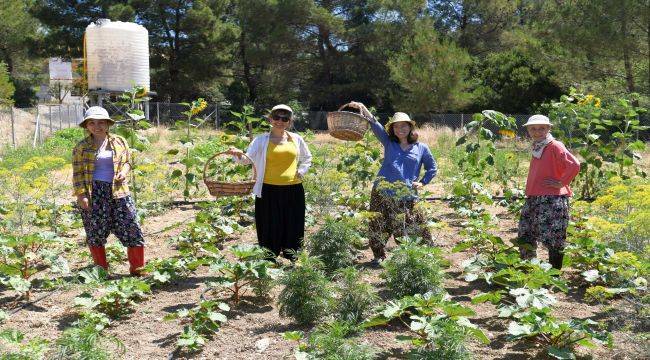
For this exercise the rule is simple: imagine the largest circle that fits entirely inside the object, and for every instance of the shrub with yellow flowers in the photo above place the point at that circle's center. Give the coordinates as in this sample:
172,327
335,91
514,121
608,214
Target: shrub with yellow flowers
31,220
610,239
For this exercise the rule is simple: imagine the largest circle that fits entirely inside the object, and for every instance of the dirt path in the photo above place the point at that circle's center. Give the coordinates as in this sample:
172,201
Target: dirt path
146,336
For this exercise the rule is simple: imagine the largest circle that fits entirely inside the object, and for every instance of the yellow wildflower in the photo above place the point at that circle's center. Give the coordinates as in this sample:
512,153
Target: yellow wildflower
507,133
198,106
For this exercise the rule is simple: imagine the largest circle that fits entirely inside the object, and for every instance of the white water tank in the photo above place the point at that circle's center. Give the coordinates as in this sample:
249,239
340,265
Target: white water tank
117,55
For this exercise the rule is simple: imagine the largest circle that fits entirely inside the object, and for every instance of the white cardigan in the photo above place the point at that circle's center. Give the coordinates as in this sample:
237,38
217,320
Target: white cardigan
257,151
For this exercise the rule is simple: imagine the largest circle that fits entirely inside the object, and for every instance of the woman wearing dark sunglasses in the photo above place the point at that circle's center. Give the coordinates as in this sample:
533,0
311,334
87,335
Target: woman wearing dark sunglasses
282,159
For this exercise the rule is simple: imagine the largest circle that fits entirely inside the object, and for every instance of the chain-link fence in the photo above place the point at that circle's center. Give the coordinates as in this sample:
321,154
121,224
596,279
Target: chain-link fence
19,126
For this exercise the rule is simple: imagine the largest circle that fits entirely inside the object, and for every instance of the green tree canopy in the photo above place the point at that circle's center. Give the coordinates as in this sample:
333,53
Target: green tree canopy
430,72
6,87
513,82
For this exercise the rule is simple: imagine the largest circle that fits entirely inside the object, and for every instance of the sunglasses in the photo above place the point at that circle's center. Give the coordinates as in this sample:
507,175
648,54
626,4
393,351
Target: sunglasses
281,118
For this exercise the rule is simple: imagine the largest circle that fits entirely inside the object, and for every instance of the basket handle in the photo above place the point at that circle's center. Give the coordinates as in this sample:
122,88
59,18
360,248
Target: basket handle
205,167
348,105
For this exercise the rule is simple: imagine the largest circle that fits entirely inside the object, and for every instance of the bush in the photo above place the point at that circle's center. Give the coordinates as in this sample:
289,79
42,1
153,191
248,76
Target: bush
413,269
306,296
335,243
86,340
332,341
355,297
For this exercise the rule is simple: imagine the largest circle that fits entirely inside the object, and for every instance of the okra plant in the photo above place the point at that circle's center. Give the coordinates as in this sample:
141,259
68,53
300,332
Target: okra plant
201,323
251,271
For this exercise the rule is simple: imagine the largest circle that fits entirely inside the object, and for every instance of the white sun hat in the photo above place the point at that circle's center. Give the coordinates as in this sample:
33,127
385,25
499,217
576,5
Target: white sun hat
96,113
282,107
538,119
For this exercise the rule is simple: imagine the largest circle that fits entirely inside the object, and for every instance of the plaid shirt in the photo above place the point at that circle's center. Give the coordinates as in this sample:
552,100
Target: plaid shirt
83,165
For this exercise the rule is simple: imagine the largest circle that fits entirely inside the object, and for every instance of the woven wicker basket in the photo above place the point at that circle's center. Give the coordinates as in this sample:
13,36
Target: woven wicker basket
346,125
225,188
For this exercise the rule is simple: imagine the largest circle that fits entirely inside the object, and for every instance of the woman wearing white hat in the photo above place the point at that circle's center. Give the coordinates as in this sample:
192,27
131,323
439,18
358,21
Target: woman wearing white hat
282,159
545,215
404,157
101,164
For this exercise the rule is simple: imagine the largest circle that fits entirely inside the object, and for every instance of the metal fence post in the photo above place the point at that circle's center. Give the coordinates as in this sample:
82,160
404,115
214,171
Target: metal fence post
36,128
158,113
216,116
60,119
13,127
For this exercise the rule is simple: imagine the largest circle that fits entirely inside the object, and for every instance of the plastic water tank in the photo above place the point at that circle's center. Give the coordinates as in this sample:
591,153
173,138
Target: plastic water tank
117,55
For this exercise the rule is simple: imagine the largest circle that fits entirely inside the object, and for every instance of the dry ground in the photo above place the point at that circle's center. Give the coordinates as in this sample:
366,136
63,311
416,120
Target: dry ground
147,336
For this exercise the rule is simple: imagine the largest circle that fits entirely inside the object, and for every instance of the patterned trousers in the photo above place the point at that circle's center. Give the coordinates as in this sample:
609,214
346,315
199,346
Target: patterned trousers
395,217
107,215
543,219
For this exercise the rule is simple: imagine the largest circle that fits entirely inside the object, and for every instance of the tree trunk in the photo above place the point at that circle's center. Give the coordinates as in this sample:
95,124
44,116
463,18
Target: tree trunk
248,76
629,75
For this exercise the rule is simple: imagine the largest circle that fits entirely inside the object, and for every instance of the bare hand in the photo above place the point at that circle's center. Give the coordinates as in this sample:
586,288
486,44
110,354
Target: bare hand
553,183
121,176
362,109
234,152
82,202
416,185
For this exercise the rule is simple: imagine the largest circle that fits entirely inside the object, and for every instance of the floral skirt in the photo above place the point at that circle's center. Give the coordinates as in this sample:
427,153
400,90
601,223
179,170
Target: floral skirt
395,217
544,219
107,215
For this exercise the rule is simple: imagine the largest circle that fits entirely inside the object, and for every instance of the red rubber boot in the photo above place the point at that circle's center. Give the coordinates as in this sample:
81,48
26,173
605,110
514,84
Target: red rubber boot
99,256
136,260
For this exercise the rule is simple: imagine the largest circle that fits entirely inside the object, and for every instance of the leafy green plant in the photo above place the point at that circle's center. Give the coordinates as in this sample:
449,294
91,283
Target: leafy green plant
361,162
608,272
246,123
469,198
192,163
437,327
621,271
560,338
469,191
307,295
335,243
92,275
115,252
33,349
118,297
21,258
86,340
163,271
201,322
355,297
201,239
413,269
333,340
604,135
250,271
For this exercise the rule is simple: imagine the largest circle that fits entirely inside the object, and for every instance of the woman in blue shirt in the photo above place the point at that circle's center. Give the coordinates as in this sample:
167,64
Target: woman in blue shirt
395,191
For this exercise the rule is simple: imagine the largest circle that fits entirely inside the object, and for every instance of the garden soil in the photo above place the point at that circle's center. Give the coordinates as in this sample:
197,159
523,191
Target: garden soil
256,321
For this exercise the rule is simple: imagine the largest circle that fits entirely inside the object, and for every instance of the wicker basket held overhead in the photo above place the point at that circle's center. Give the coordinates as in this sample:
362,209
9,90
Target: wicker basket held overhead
225,188
346,125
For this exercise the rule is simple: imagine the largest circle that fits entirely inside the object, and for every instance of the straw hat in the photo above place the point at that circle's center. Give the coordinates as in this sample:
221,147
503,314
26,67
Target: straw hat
400,117
538,120
96,113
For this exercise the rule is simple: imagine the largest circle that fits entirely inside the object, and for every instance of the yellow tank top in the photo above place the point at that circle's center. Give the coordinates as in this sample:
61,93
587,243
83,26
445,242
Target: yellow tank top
281,164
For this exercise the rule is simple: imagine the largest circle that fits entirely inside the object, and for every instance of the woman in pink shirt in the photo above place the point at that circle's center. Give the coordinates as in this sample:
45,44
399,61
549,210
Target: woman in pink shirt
545,215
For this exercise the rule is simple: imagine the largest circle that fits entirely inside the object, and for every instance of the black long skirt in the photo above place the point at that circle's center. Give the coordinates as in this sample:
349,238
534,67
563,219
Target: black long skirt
280,218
